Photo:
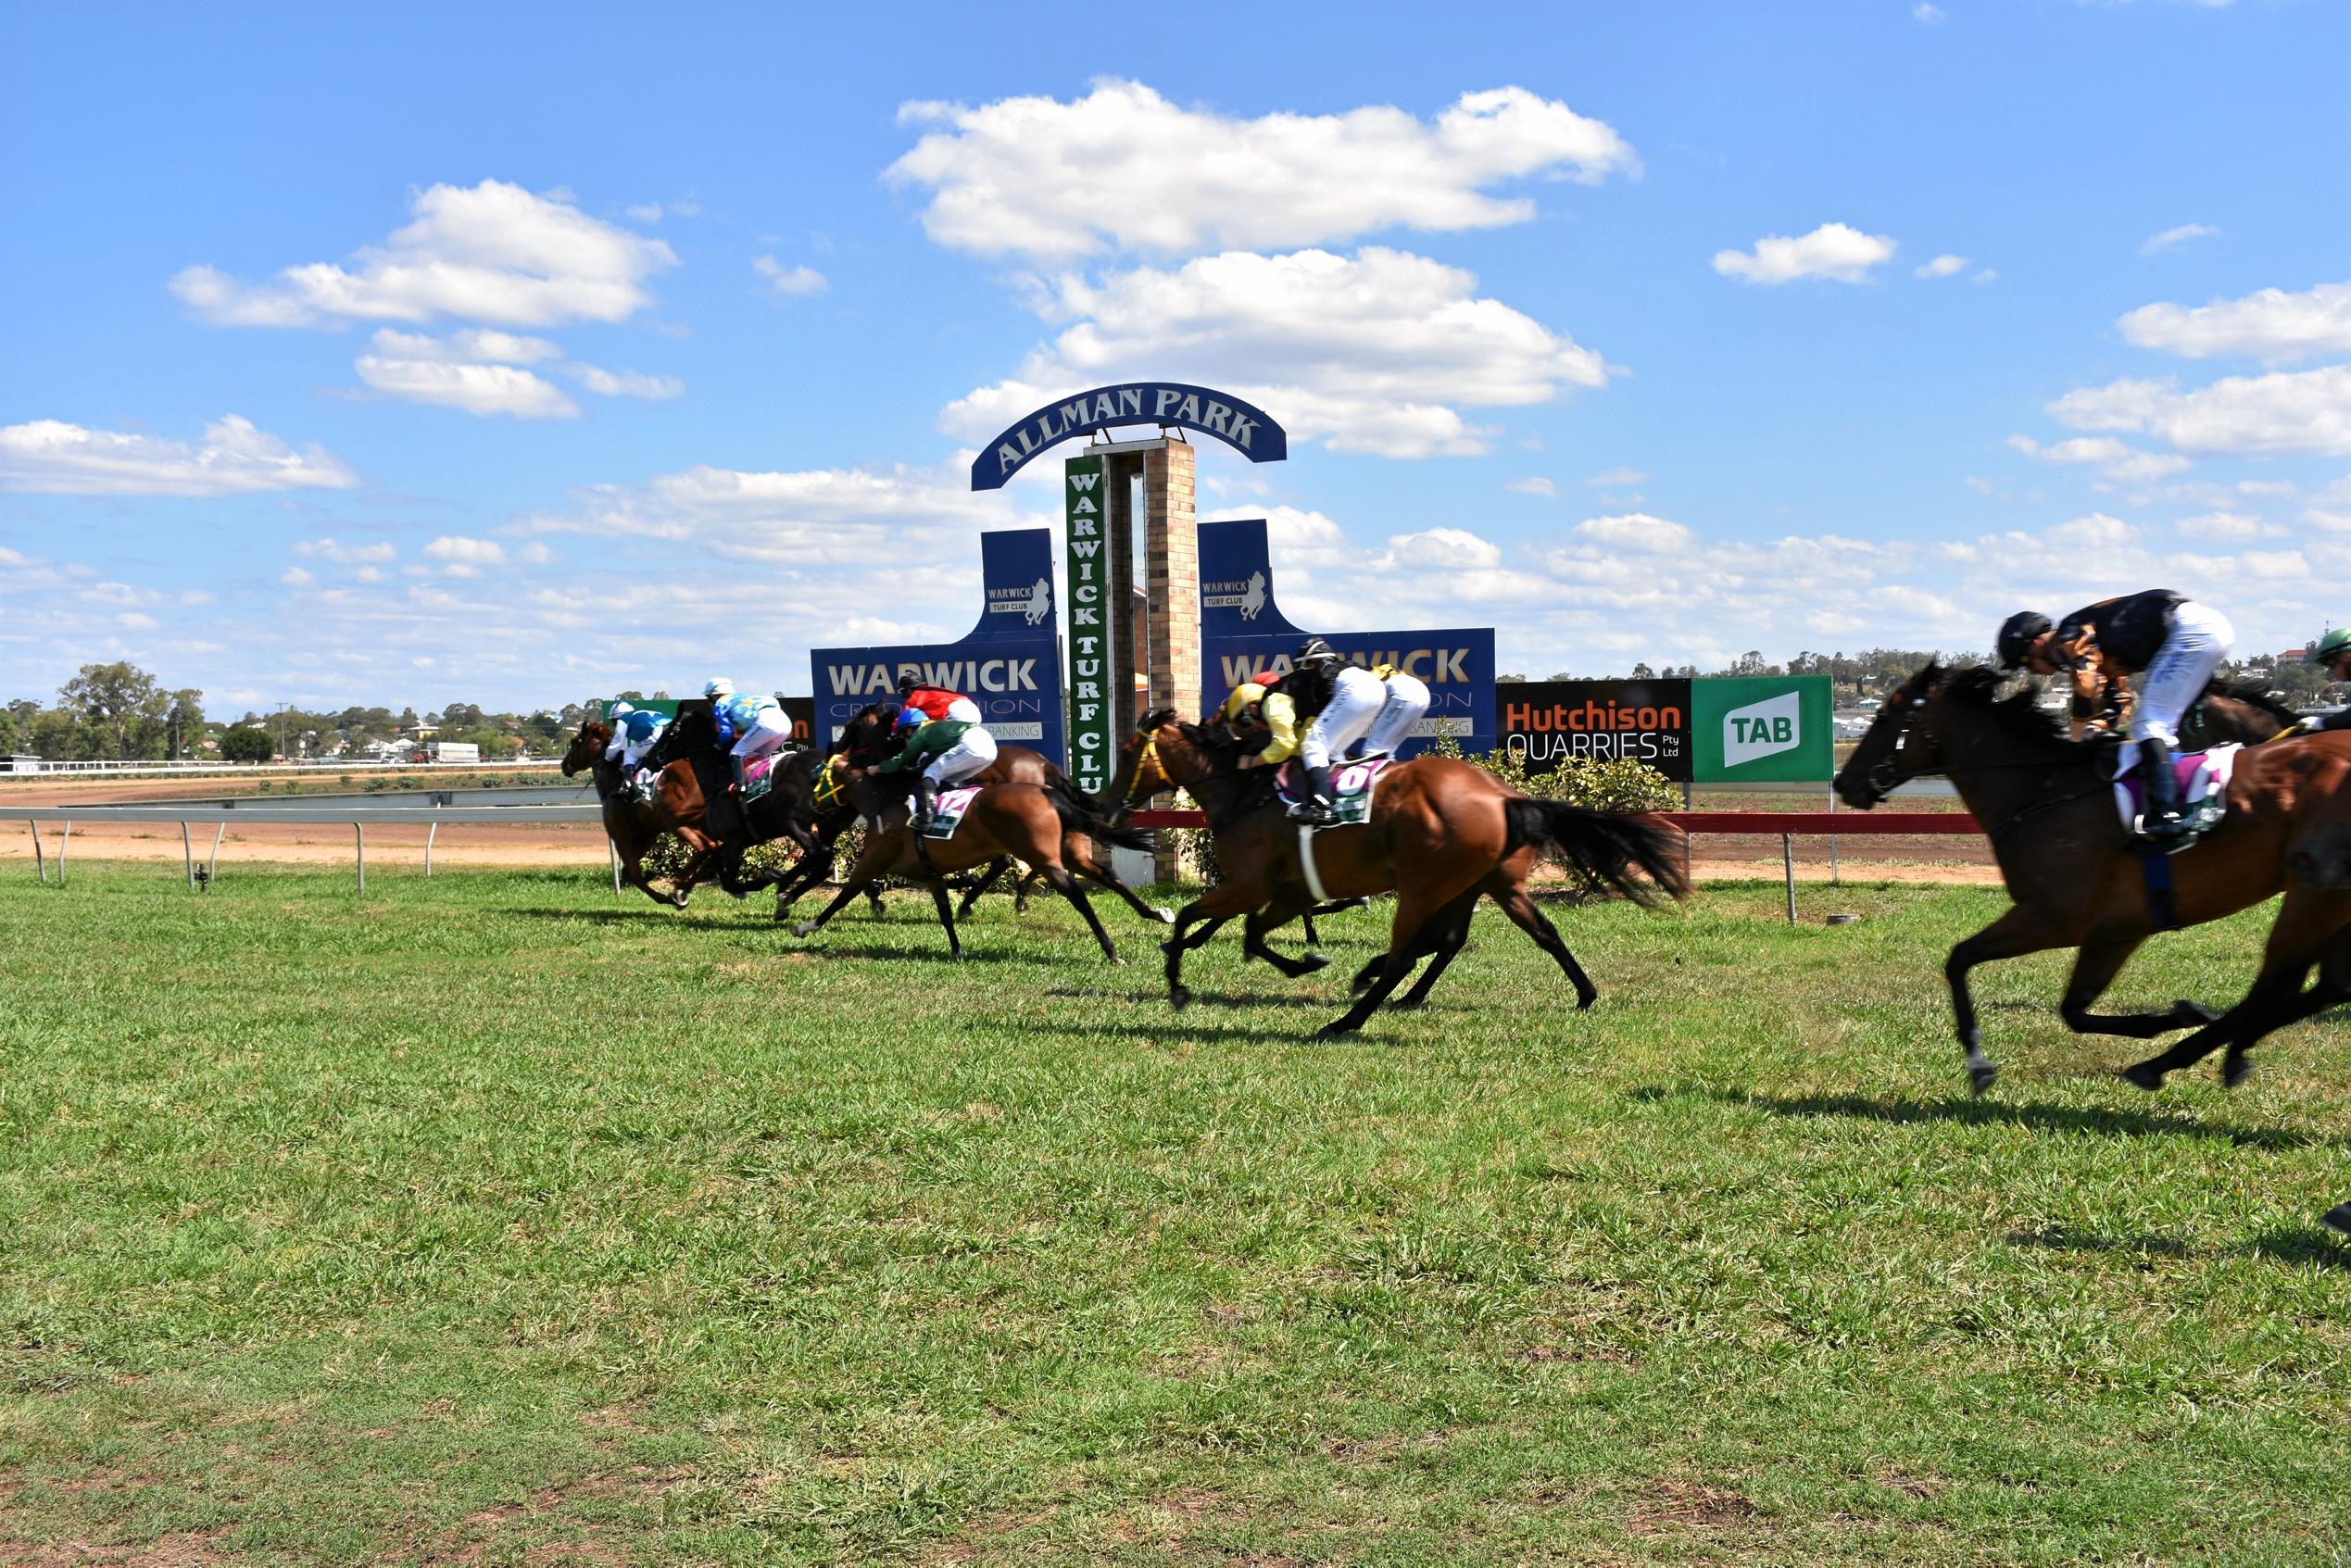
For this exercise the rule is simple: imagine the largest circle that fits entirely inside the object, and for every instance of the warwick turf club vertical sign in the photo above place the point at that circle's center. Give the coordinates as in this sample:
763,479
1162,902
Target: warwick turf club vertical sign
1093,741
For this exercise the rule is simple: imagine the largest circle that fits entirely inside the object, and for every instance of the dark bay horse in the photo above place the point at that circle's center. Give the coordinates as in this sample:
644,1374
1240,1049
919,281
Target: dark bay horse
1033,822
2078,881
1441,834
634,828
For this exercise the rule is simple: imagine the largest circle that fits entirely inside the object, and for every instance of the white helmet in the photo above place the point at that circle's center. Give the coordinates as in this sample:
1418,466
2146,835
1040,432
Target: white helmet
622,710
718,687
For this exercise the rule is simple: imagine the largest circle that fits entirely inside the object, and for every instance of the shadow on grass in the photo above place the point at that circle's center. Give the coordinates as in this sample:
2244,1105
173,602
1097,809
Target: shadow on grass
1994,1113
1189,1028
1158,999
706,919
2068,1239
2309,1244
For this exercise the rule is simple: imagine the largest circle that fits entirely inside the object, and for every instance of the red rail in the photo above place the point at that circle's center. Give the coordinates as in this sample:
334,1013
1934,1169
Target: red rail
1843,824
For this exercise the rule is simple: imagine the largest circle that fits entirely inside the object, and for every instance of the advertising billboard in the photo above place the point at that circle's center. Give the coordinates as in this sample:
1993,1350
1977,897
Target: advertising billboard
1763,729
1547,722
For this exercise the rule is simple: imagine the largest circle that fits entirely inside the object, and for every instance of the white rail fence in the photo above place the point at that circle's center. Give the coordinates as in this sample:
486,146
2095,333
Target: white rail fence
23,766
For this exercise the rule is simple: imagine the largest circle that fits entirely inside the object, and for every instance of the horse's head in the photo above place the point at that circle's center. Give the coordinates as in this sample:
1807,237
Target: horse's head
1901,742
1164,753
866,734
586,746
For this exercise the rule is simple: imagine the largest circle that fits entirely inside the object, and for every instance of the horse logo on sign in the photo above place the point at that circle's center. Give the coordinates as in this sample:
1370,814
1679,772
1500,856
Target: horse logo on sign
1253,602
1040,601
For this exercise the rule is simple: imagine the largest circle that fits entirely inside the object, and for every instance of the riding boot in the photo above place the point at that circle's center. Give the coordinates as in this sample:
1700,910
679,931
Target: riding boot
1315,810
925,803
742,776
2161,823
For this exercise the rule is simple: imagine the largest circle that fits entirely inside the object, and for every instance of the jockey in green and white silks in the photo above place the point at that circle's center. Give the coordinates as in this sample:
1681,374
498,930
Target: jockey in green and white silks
943,751
2333,656
2173,644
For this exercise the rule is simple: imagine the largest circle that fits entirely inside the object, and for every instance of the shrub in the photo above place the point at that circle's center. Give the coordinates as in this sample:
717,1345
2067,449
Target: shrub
246,742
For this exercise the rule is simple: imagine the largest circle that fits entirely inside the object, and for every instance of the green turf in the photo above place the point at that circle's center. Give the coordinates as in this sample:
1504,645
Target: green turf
493,1220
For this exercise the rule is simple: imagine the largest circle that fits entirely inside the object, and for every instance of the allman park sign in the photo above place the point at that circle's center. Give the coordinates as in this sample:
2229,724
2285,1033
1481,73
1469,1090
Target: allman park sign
1244,427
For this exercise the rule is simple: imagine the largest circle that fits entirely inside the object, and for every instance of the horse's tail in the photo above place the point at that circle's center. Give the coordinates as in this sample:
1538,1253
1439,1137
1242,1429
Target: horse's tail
1603,848
1083,813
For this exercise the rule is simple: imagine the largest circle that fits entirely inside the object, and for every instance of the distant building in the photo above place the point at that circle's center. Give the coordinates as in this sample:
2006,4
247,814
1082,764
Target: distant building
2294,656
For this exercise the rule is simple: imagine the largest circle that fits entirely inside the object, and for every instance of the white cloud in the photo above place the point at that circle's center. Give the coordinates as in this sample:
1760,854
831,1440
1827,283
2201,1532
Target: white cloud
461,556
790,280
2271,324
53,457
2172,239
1636,532
2229,526
1927,13
477,389
1376,352
1987,275
2117,459
1941,267
473,346
1534,484
1836,251
347,555
1125,168
493,252
1617,479
2280,414
294,577
1439,548
625,384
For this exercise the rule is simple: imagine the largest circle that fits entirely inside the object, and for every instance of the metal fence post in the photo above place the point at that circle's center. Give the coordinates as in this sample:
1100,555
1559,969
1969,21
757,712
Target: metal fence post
212,872
616,866
1835,873
65,842
187,854
39,858
1788,861
431,833
360,833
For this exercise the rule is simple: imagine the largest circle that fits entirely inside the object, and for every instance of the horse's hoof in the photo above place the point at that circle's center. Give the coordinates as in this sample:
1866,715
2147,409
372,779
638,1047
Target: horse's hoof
804,928
2236,1070
2186,1014
1163,914
2339,1218
2144,1074
1585,1004
1179,997
1981,1075
1339,1029
1309,962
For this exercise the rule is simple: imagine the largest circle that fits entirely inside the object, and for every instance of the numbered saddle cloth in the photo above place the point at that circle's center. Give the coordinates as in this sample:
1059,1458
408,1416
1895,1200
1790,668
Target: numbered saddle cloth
644,784
1350,786
2204,790
759,775
952,804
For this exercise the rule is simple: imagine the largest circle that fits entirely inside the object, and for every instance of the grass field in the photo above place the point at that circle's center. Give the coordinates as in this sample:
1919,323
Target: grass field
491,1220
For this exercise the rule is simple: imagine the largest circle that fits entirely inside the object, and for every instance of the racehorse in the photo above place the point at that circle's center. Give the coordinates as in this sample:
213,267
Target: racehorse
1440,834
1034,822
633,828
2240,712
2078,879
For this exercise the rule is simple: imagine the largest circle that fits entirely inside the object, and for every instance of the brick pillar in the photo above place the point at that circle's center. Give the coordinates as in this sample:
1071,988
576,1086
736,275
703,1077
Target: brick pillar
1172,547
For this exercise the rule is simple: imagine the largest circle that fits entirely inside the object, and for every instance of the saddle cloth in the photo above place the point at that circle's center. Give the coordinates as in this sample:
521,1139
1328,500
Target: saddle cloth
1350,784
642,784
952,804
2204,790
757,776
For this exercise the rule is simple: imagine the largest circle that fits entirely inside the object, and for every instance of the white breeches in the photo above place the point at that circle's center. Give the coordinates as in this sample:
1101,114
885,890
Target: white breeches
1407,700
634,753
767,734
971,755
964,710
2199,641
1356,698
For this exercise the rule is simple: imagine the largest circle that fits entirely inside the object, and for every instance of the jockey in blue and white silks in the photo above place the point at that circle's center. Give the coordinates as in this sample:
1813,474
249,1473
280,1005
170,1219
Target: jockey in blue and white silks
720,692
634,730
761,728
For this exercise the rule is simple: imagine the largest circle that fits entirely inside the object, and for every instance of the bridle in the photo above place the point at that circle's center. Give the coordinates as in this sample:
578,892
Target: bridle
1885,777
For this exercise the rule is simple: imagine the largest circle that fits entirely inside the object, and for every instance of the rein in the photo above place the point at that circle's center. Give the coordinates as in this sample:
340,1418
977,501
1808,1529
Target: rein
1886,778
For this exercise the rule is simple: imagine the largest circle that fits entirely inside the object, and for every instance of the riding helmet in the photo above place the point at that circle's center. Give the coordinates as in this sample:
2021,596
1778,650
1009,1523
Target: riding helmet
717,689
621,710
908,717
2017,635
2334,644
1313,650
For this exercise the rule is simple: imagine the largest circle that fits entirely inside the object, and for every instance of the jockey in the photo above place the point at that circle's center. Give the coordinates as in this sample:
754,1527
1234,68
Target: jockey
758,719
2175,643
946,750
937,702
634,730
2333,656
1341,700
1245,708
1408,699
717,691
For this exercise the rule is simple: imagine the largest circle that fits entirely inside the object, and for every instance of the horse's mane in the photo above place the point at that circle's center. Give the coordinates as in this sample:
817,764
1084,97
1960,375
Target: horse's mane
2252,693
2018,712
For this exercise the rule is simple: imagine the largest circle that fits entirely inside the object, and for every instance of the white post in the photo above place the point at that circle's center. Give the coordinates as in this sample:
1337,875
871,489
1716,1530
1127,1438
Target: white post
360,833
1788,861
212,872
187,853
1836,874
428,835
615,850
40,861
65,842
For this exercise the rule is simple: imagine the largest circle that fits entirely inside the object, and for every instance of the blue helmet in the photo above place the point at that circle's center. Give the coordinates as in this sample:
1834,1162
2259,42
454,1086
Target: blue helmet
909,718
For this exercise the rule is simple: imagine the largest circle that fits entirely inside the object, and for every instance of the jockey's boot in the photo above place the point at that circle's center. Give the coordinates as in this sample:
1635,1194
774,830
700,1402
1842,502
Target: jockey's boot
925,804
741,776
2161,823
1315,810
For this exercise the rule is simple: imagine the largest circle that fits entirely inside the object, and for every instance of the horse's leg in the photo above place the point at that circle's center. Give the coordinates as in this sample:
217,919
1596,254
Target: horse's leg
2100,960
2306,927
1232,896
946,915
1253,932
1198,938
2026,928
1528,917
1082,863
996,868
1414,908
860,879
1058,877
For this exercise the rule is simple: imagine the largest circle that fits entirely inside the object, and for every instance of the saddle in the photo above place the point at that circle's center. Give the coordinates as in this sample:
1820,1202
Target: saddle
952,804
759,775
1350,786
2204,791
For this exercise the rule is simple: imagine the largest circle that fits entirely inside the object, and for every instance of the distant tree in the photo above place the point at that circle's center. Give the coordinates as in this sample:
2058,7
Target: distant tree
1561,675
246,742
1500,679
112,699
1642,672
184,721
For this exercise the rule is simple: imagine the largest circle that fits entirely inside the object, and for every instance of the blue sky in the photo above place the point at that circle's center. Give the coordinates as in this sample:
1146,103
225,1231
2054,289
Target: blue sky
519,355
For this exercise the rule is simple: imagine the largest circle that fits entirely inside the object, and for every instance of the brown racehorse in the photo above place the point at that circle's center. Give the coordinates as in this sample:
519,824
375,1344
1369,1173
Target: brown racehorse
2079,882
1442,832
634,828
1033,822
2225,712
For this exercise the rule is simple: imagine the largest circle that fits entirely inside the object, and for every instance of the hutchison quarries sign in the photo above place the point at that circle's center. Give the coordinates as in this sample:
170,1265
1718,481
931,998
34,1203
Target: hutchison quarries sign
1548,723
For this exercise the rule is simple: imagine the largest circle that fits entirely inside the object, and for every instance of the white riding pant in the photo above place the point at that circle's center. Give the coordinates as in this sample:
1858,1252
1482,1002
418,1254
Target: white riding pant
2199,641
1407,700
1356,698
768,733
964,710
634,753
971,755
